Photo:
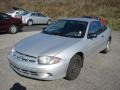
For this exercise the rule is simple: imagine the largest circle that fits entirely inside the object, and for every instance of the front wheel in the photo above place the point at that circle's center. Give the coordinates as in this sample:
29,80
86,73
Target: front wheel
74,67
29,22
13,29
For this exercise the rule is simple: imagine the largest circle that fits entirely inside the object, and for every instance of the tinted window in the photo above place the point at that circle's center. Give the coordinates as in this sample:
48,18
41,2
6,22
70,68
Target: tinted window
95,27
34,14
40,15
24,13
4,16
103,27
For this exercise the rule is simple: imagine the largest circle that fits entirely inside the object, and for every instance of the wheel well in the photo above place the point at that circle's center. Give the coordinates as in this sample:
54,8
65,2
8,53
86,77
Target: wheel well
14,24
110,38
29,20
82,56
49,19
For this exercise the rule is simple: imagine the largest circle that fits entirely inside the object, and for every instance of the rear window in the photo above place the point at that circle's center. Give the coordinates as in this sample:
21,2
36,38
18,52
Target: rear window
24,13
11,11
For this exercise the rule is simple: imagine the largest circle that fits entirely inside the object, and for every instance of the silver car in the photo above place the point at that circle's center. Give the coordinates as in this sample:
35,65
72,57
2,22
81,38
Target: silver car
15,11
31,18
60,49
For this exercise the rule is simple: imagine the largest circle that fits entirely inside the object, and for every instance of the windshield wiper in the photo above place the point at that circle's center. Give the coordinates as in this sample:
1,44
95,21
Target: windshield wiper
70,36
56,33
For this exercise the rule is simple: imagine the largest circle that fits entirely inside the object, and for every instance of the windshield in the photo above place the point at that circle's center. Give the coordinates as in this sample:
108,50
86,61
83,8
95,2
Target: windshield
67,28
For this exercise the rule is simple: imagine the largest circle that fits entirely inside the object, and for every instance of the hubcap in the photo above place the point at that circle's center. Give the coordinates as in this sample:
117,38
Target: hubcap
13,29
29,23
108,46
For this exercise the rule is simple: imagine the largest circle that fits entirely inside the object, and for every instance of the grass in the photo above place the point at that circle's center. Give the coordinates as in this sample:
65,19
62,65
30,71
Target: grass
109,9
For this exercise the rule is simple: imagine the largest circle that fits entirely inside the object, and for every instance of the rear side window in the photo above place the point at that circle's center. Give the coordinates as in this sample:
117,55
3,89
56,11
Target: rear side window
95,27
103,27
34,14
41,15
25,13
4,16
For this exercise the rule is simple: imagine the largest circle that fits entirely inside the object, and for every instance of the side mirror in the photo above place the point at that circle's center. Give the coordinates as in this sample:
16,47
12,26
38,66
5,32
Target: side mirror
92,35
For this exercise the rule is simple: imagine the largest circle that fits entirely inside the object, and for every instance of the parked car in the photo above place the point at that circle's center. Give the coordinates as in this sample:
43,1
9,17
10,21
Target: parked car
60,49
10,24
31,18
15,11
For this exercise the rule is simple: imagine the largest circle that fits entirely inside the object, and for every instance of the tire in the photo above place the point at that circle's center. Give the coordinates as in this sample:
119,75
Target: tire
107,49
49,22
13,29
74,67
30,22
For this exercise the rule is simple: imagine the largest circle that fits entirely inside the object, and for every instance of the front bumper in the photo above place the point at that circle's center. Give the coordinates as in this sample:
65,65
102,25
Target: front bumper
36,71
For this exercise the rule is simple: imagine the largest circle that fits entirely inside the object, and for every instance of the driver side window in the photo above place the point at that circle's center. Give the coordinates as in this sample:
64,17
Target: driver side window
34,14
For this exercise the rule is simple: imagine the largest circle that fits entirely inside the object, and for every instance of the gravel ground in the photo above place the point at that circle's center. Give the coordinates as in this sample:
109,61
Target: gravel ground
100,71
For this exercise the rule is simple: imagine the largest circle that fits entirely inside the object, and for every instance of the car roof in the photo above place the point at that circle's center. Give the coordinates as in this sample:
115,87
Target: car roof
34,12
81,19
2,13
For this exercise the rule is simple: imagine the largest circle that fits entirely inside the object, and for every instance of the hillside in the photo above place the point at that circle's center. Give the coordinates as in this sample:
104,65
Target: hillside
109,9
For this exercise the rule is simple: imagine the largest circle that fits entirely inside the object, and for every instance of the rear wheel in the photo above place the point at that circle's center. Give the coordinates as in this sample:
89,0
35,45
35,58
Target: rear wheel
13,29
107,49
74,67
29,22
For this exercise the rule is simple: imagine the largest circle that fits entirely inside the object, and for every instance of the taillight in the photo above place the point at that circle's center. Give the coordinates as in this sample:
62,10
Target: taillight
103,21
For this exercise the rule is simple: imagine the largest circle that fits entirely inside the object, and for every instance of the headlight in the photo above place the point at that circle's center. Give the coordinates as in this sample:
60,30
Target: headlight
48,60
13,50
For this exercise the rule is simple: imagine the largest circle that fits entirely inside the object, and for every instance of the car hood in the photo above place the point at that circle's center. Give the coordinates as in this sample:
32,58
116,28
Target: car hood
44,44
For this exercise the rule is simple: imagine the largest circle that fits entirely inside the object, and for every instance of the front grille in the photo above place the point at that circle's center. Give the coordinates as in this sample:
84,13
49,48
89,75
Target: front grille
26,72
25,58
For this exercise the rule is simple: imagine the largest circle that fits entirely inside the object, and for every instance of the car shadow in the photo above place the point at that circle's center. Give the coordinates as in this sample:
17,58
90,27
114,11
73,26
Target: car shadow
33,28
2,33
18,86
26,28
36,25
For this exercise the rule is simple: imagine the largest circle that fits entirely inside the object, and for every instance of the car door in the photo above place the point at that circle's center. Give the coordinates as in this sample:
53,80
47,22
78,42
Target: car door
105,35
34,17
4,22
94,44
42,19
